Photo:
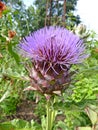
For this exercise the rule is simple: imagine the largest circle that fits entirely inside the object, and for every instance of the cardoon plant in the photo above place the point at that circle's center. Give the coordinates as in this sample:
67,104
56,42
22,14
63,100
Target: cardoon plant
52,51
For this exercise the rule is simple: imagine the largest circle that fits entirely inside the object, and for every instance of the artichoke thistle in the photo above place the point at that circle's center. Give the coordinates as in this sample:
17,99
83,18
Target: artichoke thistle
52,51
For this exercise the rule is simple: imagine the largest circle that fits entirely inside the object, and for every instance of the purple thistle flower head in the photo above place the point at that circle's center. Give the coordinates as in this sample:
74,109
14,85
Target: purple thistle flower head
53,49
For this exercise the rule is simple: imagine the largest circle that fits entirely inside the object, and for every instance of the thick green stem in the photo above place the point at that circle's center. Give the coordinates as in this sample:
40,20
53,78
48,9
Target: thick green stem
51,114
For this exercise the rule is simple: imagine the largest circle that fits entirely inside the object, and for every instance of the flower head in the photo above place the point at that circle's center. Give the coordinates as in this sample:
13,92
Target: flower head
53,50
11,34
2,8
52,47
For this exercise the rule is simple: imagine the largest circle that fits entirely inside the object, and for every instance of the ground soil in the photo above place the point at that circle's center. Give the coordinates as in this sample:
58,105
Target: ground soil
25,110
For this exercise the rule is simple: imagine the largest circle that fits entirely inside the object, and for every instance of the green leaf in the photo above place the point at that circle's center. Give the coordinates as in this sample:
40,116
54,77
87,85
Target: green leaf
18,123
61,125
2,38
24,129
83,128
6,11
35,126
90,70
92,115
6,126
5,95
16,57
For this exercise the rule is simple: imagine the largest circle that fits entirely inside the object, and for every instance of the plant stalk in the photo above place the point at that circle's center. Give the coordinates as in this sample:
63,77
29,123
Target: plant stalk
51,114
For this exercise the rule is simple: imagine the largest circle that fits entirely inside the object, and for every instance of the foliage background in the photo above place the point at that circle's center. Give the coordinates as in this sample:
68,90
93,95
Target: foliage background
83,90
